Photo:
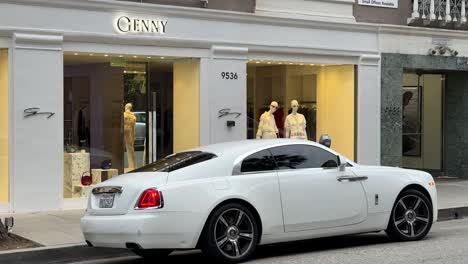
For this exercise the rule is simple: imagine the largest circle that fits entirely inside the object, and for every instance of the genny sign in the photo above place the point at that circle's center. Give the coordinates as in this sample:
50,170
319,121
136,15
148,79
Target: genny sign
128,24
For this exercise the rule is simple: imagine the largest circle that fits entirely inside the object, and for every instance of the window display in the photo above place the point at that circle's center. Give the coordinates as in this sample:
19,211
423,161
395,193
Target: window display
111,115
312,100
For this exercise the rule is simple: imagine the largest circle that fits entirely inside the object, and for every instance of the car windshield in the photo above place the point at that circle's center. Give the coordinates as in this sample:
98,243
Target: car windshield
176,161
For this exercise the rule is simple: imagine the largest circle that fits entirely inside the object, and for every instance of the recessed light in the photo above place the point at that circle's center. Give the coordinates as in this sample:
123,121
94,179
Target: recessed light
91,54
75,54
120,56
125,71
257,62
162,58
135,57
105,55
290,63
269,62
301,64
322,65
148,57
312,64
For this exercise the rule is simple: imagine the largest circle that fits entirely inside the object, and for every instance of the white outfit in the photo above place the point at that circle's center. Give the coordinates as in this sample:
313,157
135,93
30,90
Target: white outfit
296,125
267,126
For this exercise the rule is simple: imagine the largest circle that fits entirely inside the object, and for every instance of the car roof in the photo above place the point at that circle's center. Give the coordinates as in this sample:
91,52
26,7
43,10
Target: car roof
237,148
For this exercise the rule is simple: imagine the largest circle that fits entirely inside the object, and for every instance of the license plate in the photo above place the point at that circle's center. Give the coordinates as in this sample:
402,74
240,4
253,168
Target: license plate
106,201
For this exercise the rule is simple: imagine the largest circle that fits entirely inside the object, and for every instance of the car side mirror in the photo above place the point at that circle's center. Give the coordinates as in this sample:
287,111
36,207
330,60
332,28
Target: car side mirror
342,163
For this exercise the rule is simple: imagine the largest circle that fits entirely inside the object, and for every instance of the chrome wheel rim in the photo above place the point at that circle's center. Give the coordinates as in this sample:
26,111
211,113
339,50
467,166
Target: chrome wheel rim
234,233
411,216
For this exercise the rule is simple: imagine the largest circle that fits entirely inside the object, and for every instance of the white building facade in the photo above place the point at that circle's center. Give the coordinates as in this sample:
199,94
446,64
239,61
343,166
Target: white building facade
193,77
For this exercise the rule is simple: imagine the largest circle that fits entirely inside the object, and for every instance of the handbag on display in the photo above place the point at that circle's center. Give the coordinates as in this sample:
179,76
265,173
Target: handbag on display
105,165
86,178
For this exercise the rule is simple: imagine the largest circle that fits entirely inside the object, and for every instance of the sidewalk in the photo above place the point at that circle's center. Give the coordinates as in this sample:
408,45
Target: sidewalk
62,228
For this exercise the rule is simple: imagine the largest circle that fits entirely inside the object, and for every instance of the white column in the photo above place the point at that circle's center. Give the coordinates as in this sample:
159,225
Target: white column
205,122
448,18
463,12
228,81
368,110
415,13
432,15
37,141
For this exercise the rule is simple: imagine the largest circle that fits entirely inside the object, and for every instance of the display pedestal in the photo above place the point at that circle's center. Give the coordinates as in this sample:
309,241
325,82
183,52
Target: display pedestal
100,175
81,191
75,164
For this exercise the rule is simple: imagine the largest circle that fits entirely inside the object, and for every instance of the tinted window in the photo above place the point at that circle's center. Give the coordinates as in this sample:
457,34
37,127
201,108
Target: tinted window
303,156
260,161
176,161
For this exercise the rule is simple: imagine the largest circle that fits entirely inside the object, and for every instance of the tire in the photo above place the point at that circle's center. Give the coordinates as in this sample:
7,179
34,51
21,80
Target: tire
153,253
411,217
237,236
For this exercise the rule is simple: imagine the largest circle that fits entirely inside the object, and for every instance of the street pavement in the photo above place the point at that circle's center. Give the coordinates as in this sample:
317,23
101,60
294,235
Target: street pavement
446,243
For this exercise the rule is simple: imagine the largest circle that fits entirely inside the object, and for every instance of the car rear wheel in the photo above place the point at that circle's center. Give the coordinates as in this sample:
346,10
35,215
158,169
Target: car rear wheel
152,253
411,217
231,234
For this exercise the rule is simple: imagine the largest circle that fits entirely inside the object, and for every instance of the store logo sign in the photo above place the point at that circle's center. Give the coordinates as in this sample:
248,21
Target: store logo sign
127,24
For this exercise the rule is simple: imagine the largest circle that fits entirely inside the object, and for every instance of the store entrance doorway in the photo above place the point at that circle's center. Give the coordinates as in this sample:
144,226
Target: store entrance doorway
423,121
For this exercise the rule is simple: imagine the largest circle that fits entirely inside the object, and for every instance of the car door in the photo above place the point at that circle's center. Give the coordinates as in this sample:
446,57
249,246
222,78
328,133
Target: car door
314,192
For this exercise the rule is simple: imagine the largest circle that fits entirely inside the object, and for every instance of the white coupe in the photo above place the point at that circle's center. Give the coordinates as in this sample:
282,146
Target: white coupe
227,198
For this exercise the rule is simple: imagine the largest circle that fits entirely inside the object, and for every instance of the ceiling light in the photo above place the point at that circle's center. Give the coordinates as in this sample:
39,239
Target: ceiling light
162,58
75,54
257,62
120,56
135,57
312,64
105,55
91,54
322,65
148,57
269,62
290,63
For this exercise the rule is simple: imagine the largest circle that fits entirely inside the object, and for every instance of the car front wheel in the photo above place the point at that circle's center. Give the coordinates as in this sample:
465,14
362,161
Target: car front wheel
411,217
231,234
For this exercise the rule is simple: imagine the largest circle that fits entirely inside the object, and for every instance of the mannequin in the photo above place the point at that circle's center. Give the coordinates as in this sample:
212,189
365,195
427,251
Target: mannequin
295,123
129,135
267,126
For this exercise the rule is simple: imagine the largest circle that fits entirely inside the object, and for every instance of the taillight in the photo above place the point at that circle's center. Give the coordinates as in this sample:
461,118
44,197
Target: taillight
151,198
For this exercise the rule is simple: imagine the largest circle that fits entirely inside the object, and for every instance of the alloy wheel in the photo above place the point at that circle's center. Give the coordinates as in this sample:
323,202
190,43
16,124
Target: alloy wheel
411,216
234,233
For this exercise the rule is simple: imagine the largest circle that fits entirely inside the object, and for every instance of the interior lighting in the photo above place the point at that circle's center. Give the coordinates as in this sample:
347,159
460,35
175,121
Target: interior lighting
120,56
135,57
322,65
257,62
75,54
269,62
312,64
148,57
162,58
106,55
91,54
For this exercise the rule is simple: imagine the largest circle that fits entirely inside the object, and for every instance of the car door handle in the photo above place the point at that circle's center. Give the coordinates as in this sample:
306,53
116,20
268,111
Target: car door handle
352,178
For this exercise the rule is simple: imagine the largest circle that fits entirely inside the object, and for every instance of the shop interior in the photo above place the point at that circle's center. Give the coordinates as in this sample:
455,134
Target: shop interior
422,105
122,112
4,174
325,94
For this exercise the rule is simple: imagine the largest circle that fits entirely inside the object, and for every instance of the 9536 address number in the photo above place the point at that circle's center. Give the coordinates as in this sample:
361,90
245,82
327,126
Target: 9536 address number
229,75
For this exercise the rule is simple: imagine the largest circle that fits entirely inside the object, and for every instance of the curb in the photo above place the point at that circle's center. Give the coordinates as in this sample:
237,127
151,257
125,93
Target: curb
81,252
63,254
452,213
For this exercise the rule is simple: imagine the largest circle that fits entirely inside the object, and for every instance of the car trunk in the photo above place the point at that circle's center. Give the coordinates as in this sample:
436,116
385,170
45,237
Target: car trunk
120,194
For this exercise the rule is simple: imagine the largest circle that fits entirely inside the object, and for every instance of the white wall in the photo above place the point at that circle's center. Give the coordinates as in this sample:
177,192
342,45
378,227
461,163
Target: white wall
37,154
333,10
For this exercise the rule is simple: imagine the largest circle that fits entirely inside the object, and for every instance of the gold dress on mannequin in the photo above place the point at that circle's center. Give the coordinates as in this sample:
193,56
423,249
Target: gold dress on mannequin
129,136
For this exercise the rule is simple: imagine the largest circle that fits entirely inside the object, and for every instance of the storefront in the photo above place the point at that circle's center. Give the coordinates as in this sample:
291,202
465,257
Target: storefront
98,93
424,80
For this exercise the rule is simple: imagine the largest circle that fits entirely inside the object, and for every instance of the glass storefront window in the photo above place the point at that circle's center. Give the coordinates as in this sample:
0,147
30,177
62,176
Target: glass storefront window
119,114
4,168
324,95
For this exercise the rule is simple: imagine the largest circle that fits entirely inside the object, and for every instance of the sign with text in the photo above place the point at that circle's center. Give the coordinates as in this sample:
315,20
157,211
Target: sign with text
380,3
129,24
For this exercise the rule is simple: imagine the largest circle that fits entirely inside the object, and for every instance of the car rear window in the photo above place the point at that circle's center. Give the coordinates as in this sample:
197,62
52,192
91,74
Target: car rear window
176,161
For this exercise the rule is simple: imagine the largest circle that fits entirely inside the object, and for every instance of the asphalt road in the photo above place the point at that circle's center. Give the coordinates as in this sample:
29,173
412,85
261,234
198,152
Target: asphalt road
446,243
